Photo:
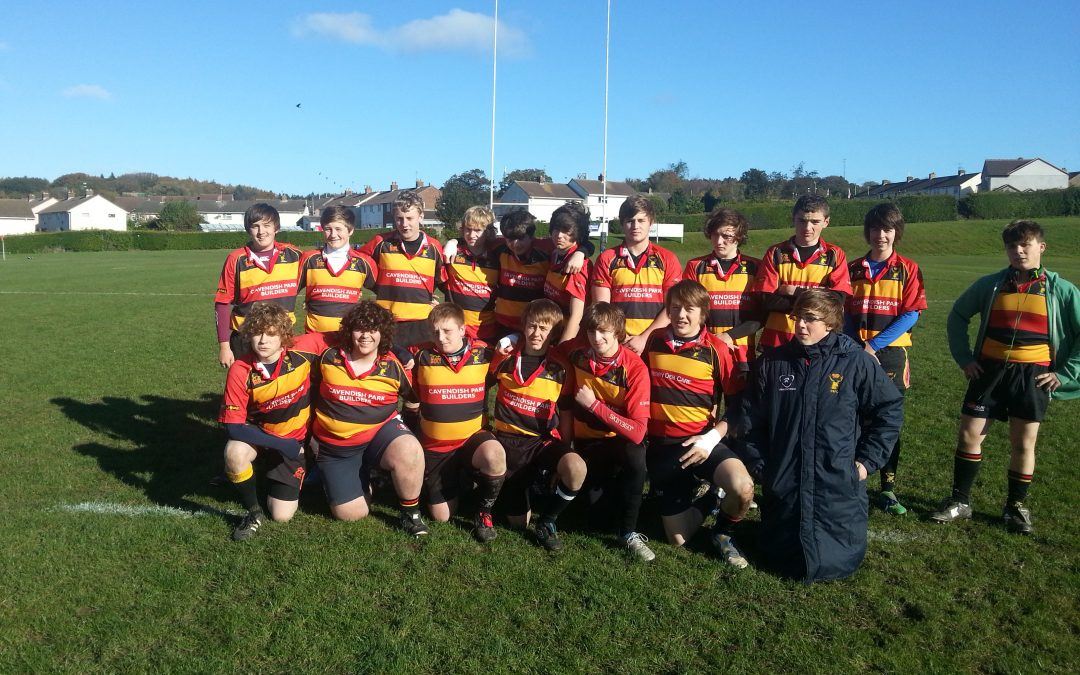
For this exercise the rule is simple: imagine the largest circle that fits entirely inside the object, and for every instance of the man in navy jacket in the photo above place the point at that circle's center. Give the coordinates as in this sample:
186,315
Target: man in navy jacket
821,415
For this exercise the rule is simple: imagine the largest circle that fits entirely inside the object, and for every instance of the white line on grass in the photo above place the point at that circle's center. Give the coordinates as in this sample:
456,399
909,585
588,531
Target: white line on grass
200,295
111,509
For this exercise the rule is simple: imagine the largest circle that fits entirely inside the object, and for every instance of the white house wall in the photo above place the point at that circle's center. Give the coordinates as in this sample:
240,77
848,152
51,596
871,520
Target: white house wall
12,226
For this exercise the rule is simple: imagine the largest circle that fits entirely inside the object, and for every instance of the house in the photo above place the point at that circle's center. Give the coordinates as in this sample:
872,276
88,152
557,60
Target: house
540,198
1074,179
92,212
16,217
958,186
351,200
961,184
599,206
1022,175
39,205
378,211
229,216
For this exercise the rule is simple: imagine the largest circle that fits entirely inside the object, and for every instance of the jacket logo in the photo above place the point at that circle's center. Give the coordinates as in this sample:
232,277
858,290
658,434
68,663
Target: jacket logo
834,382
786,382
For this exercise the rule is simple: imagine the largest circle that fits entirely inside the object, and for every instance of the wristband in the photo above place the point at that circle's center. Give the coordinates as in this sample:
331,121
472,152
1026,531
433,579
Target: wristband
709,440
449,249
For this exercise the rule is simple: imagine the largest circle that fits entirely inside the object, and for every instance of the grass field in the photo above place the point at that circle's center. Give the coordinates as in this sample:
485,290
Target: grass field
117,553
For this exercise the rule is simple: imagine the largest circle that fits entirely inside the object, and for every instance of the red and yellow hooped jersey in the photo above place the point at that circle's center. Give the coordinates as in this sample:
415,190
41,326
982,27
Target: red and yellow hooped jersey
245,280
329,294
561,288
470,284
1018,330
528,405
825,268
876,301
352,406
637,289
406,283
521,280
686,383
275,399
732,298
452,396
622,385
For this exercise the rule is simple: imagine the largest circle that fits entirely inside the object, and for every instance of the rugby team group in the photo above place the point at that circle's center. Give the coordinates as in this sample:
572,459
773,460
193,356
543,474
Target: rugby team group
614,373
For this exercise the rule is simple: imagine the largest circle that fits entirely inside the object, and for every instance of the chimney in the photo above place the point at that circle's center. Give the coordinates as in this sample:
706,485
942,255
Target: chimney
933,175
348,191
393,185
367,189
910,178
419,183
600,178
884,181
960,172
89,192
44,194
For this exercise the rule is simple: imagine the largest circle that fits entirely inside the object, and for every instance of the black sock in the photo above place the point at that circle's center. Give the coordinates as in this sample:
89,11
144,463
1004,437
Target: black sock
724,523
488,490
245,485
1018,487
965,468
888,472
557,501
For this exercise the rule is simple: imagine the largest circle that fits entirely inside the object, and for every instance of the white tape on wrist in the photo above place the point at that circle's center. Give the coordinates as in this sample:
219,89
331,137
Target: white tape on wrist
709,440
508,341
450,249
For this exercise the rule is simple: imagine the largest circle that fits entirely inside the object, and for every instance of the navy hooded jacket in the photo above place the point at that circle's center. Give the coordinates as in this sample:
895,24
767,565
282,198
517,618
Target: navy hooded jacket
811,413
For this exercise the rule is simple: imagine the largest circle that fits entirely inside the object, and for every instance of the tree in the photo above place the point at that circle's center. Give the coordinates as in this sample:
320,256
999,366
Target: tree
755,182
178,216
19,188
669,179
683,203
521,174
461,191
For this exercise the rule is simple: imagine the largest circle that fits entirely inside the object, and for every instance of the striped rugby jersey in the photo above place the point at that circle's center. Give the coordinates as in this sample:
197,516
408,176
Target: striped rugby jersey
826,268
560,287
277,399
245,280
470,284
686,382
521,280
732,299
352,406
528,405
875,302
452,397
406,283
329,294
622,385
1018,330
638,290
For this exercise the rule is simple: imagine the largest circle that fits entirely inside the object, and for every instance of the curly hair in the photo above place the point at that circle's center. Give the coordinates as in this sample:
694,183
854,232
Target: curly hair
268,318
368,316
409,199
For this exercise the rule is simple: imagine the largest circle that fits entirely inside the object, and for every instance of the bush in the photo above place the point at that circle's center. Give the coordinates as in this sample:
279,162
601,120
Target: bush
1011,205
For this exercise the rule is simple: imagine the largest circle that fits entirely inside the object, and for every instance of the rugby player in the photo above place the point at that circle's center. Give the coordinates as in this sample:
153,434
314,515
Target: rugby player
263,270
635,275
410,268
609,415
887,296
531,384
1027,351
356,422
451,376
334,276
265,410
472,273
569,225
803,261
689,369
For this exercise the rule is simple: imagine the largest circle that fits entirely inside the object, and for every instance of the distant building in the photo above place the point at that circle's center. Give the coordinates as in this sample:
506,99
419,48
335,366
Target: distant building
229,216
540,198
961,184
592,191
378,211
40,204
1074,179
92,212
1021,175
16,217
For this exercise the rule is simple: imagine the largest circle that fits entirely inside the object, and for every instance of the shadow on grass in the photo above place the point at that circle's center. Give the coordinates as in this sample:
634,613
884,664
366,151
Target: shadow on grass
178,447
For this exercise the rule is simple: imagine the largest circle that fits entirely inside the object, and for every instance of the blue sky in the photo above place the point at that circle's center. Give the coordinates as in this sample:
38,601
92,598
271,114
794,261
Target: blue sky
401,90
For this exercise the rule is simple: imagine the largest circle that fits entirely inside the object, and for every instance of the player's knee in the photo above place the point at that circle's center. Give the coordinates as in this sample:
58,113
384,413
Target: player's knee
491,458
572,469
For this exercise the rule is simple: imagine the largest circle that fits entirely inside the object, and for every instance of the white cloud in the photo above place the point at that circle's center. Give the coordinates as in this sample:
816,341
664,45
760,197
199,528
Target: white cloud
88,91
457,30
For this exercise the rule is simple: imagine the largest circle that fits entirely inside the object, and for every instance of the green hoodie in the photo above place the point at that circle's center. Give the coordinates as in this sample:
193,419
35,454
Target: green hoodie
1063,315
